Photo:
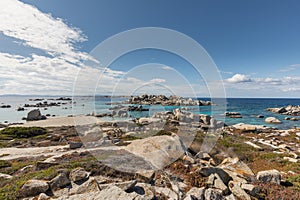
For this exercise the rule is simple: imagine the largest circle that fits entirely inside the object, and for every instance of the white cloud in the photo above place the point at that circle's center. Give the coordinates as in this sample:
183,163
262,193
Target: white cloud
239,78
290,68
41,31
55,69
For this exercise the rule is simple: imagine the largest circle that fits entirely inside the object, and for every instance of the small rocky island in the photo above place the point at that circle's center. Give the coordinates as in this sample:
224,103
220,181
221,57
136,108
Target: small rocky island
166,101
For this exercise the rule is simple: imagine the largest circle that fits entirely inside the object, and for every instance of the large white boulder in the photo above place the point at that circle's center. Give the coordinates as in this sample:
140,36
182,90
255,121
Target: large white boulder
158,150
272,120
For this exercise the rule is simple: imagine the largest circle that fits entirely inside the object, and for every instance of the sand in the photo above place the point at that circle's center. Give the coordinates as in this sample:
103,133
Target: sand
62,121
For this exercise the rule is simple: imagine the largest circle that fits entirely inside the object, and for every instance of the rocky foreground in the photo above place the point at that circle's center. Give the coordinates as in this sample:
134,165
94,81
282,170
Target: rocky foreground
160,157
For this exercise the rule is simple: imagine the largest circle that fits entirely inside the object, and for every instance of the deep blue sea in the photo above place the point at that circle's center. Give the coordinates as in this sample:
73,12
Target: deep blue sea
248,107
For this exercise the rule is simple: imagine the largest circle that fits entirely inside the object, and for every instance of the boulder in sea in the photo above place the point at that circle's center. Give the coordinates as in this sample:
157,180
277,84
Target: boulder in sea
233,114
260,116
34,115
20,109
5,106
272,120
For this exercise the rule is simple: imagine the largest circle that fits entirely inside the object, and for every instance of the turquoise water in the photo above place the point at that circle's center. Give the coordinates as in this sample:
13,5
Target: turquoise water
248,107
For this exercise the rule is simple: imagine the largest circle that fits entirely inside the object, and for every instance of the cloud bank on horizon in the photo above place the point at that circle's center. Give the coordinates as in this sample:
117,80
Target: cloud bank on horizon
52,61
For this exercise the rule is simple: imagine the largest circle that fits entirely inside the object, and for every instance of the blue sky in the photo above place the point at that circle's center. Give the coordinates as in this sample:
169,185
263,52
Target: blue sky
255,44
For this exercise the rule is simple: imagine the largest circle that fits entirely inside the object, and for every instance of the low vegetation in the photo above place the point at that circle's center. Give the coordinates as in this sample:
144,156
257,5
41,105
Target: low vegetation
22,132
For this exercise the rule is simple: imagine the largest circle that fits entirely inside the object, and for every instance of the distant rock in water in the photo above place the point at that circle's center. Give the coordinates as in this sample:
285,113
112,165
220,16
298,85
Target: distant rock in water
166,101
289,110
20,109
34,115
233,114
5,106
272,120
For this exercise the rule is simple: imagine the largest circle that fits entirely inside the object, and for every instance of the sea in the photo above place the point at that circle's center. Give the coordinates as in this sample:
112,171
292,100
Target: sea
249,108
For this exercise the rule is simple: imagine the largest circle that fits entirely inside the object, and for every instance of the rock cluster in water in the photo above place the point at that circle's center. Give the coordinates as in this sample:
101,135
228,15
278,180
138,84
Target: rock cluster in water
166,101
288,110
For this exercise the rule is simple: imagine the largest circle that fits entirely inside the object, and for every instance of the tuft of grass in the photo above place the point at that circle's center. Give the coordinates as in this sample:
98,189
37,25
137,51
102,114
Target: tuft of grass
22,132
163,132
295,180
4,164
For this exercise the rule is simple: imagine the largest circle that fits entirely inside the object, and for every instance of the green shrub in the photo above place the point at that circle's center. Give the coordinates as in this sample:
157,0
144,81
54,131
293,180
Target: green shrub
23,132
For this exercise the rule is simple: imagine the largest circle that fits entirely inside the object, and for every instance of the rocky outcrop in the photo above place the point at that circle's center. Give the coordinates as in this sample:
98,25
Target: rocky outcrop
269,176
33,187
5,106
59,181
34,115
288,110
233,115
166,101
79,174
158,150
272,120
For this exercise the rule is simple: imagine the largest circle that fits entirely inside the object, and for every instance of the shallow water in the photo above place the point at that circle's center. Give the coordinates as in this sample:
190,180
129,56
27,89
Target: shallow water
248,107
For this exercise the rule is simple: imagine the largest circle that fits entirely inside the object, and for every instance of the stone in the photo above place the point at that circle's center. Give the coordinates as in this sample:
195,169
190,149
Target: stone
171,195
79,174
90,185
248,127
158,150
272,120
35,115
203,156
59,181
284,134
189,159
146,175
213,194
144,121
235,188
207,171
269,176
144,190
230,197
294,160
251,189
75,145
34,187
210,180
43,196
233,114
126,186
235,165
114,192
5,176
253,145
218,183
260,116
195,192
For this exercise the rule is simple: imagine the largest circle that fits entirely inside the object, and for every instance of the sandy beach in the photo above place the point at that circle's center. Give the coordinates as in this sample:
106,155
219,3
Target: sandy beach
62,121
